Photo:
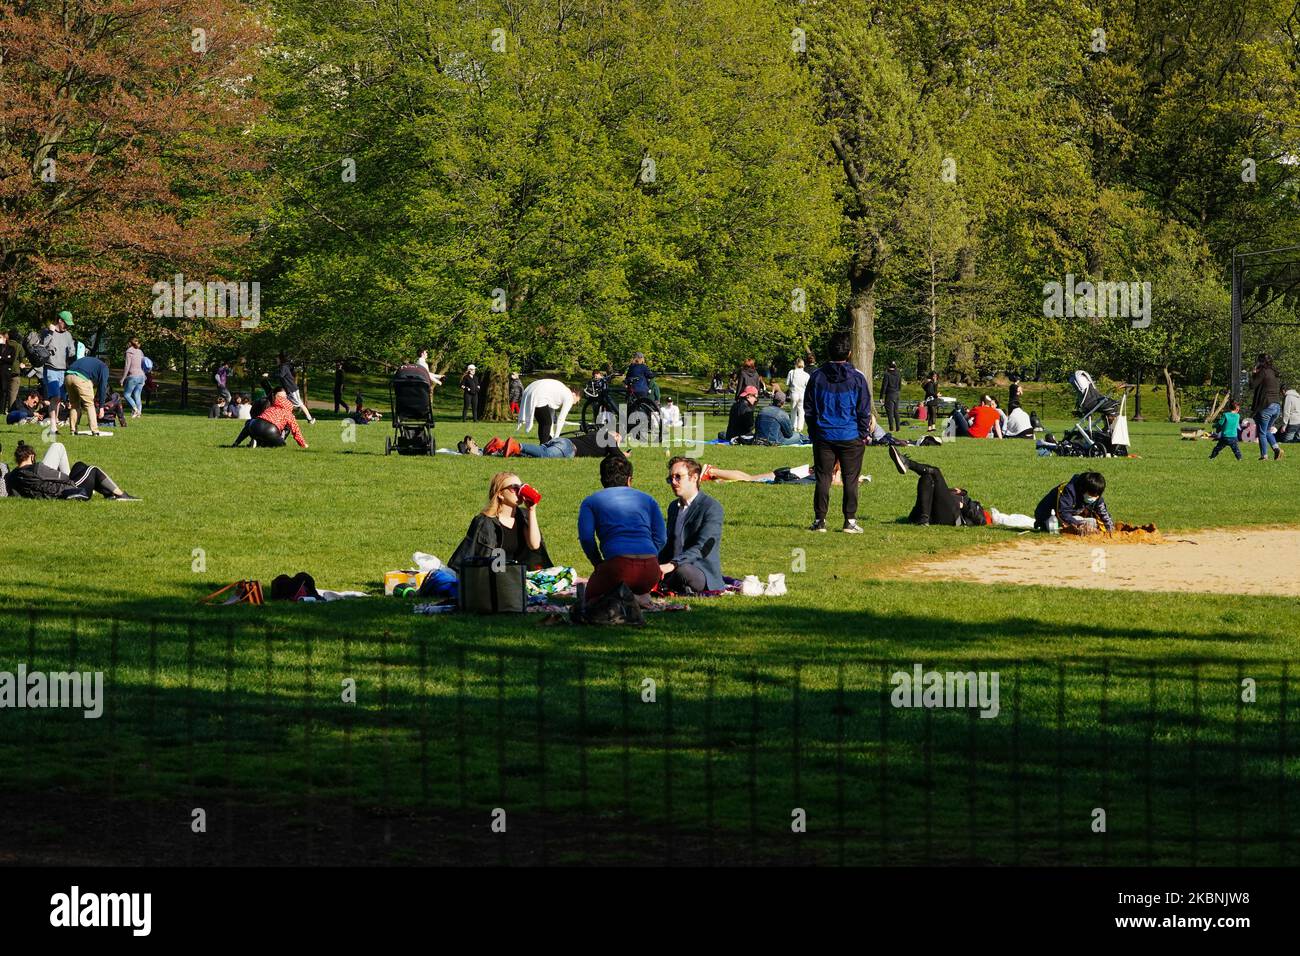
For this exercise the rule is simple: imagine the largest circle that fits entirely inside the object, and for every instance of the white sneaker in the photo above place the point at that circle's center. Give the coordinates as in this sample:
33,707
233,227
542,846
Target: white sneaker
852,527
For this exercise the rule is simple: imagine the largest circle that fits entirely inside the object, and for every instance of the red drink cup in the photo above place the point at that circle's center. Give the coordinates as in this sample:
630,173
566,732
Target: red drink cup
530,494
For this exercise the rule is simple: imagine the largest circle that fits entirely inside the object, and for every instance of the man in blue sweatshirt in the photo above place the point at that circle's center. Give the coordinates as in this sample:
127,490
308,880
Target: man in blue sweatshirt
86,382
838,408
622,532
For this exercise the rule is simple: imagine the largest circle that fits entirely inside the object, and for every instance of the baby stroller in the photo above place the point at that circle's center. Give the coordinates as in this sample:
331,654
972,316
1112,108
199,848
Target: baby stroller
1101,428
411,393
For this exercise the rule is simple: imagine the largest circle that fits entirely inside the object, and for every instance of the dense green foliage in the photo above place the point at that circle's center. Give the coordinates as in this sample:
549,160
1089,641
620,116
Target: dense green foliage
534,184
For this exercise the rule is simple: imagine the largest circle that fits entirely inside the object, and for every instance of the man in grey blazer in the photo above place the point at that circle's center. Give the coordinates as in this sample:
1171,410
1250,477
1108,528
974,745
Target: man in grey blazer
691,560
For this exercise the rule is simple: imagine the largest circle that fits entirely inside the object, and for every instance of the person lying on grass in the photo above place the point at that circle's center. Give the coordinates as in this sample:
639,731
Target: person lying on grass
267,429
797,475
507,525
52,477
936,503
595,444
1078,505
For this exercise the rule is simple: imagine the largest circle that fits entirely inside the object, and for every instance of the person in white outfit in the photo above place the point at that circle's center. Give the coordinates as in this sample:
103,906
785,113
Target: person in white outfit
1288,426
548,400
1017,424
796,382
672,415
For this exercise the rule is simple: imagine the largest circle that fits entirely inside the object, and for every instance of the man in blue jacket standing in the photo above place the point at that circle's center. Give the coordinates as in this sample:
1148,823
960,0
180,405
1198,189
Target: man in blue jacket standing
838,402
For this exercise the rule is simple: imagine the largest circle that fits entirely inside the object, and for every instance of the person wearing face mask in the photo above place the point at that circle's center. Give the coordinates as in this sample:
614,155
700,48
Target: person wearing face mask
1077,503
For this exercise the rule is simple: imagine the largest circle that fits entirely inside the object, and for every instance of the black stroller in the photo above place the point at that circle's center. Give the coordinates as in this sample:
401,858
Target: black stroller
1101,429
411,393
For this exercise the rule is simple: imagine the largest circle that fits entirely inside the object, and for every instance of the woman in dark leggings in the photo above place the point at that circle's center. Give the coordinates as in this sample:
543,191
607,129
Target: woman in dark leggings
49,479
267,430
262,432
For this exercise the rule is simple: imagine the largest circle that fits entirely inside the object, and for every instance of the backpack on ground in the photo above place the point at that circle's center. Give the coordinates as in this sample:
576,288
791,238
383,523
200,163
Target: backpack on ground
619,606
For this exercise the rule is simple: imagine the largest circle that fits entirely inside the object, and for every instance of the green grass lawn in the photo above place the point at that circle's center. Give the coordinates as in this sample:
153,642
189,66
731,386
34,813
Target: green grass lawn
1126,701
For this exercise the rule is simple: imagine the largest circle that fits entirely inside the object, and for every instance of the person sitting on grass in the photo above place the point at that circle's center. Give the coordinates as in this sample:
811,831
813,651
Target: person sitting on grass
267,429
113,410
506,526
52,477
1227,428
622,531
1018,424
218,408
938,504
1076,504
983,421
1289,423
691,560
740,421
27,410
362,415
773,425
672,415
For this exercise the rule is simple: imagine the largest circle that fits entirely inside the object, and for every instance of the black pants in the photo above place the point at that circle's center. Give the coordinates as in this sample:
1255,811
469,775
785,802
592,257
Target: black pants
545,416
935,502
338,401
470,406
263,432
686,579
89,479
849,456
891,412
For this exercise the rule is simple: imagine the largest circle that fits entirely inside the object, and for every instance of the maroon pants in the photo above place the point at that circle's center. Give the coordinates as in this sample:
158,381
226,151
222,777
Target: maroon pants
639,574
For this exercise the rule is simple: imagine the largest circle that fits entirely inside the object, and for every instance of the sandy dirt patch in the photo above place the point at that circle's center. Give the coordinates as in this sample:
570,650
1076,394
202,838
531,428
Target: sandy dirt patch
1254,561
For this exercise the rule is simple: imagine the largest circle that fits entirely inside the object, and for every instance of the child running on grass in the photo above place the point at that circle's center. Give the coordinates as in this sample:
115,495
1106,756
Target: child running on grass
1228,427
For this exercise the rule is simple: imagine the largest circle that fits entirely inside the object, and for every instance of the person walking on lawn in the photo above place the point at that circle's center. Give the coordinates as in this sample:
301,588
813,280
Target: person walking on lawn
931,403
469,387
284,374
1228,427
839,424
1267,405
891,384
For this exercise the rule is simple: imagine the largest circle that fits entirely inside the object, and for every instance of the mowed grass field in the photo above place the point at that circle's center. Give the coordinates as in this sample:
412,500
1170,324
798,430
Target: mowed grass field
1125,701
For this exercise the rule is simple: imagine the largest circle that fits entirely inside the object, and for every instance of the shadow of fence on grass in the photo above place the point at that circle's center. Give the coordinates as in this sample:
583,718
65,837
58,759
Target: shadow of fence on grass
467,754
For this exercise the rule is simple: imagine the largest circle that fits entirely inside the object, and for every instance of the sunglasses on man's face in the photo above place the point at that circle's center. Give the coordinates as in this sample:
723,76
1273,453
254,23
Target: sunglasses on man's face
674,478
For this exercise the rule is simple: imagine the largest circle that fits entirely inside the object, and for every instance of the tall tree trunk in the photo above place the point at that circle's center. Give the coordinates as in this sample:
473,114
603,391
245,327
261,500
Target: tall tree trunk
1171,393
862,310
934,312
497,406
